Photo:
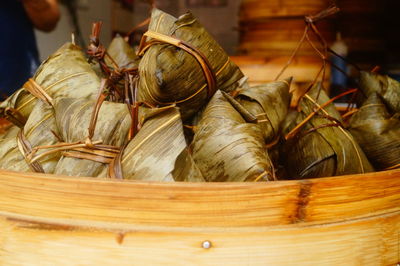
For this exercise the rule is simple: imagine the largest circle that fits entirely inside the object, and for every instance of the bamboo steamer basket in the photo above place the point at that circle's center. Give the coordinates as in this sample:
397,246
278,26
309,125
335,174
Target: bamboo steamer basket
280,37
260,70
256,9
303,69
55,220
274,28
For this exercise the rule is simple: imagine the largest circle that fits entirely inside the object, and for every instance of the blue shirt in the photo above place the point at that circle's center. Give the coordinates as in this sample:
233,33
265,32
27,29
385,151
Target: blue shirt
18,51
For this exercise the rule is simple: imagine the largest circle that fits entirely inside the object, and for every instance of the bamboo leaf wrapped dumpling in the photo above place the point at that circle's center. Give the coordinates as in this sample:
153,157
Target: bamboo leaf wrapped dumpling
158,152
307,155
388,88
268,103
171,75
377,132
39,130
73,118
66,73
322,147
226,148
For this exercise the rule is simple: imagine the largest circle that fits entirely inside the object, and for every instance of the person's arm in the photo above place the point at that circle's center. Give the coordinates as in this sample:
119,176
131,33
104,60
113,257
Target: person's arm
44,14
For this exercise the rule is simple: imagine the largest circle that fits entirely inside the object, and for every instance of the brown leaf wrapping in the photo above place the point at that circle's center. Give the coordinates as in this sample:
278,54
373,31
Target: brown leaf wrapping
377,132
159,151
122,54
66,73
269,104
322,147
226,148
73,119
170,75
388,88
39,130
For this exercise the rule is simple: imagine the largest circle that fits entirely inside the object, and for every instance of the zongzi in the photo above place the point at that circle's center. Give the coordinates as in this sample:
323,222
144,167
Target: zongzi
66,73
322,147
74,118
268,103
226,148
39,130
377,132
385,86
158,152
182,64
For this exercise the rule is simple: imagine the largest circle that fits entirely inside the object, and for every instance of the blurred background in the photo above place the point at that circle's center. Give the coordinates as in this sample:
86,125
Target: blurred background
220,17
260,35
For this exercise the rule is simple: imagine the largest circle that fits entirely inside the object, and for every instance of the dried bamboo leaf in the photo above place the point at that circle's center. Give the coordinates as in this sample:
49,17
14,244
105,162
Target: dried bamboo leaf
248,116
9,132
220,112
159,151
269,103
73,119
377,132
122,54
65,73
225,148
171,75
39,130
186,169
322,147
384,85
308,155
317,95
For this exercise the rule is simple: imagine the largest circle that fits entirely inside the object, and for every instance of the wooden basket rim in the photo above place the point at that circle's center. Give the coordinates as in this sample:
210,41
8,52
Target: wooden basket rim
134,204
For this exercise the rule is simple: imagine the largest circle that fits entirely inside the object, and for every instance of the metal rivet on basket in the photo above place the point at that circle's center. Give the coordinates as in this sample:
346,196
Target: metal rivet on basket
206,244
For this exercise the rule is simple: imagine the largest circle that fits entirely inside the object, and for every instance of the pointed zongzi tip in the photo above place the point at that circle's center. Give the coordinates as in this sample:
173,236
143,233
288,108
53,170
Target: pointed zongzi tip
118,40
315,87
371,81
366,74
157,14
67,46
289,80
373,108
226,95
316,90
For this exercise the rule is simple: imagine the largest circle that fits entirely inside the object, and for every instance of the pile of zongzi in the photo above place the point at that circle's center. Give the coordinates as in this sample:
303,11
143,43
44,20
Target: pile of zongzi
179,109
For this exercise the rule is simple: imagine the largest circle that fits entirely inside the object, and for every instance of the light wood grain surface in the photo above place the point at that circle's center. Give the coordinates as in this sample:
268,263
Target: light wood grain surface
348,220
261,70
